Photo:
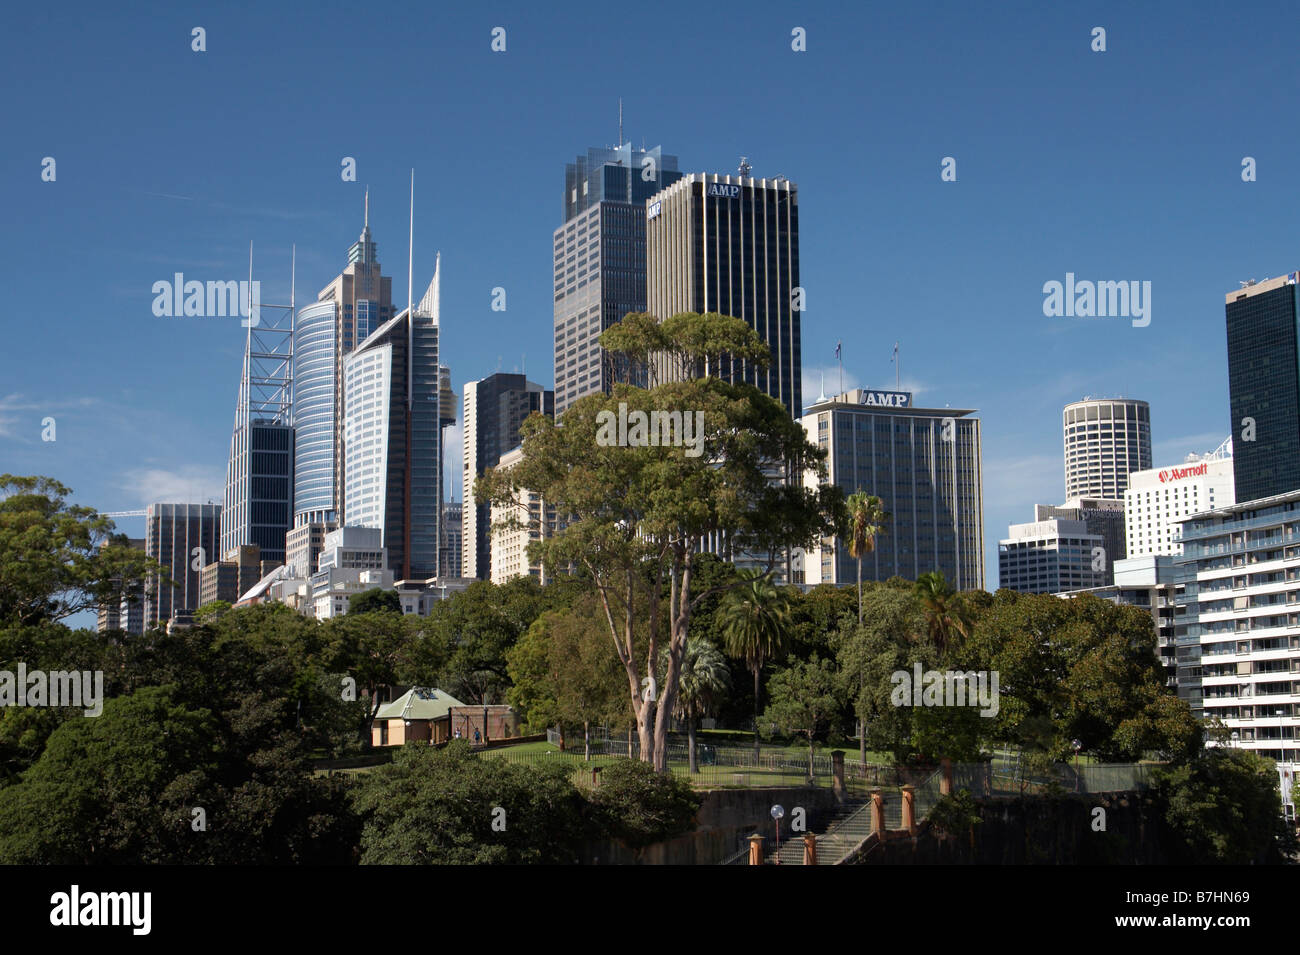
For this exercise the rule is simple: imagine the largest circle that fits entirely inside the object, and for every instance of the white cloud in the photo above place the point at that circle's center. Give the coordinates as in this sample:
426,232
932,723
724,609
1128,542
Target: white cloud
1174,450
187,485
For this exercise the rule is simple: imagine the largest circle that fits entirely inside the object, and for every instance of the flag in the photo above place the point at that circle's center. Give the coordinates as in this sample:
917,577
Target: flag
895,358
837,349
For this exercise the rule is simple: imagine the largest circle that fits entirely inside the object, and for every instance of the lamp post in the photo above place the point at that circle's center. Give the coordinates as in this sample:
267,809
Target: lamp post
1077,746
778,811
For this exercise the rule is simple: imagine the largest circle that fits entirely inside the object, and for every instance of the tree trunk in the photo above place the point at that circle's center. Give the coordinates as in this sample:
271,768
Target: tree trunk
561,737
859,591
586,740
629,740
810,757
757,670
690,743
862,741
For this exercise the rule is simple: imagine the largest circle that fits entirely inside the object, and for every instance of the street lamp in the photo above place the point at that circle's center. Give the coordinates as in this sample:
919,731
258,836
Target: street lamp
1077,746
778,811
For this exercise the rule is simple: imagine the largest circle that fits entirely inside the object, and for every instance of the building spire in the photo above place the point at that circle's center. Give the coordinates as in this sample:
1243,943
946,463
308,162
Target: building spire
367,221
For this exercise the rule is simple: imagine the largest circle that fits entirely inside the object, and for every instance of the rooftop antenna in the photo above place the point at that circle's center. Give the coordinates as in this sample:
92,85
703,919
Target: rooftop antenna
620,122
745,167
367,219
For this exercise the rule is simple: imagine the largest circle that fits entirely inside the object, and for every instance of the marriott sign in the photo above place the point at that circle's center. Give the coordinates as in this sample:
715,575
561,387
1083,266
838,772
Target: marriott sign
1177,474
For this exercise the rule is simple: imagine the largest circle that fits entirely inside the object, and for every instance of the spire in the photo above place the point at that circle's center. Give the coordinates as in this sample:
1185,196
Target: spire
367,223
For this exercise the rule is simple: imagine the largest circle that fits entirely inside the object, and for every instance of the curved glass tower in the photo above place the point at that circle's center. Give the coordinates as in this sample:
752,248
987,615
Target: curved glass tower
315,491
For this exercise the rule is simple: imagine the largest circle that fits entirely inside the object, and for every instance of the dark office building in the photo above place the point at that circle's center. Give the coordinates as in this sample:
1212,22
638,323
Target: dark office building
1102,517
495,409
600,259
1264,386
730,244
259,489
182,538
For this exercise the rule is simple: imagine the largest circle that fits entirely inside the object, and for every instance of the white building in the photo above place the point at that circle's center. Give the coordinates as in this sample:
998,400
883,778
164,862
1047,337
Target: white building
353,560
1106,440
535,520
1158,499
1048,557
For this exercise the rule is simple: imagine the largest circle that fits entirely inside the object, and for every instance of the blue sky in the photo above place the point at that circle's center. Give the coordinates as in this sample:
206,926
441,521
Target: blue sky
1123,165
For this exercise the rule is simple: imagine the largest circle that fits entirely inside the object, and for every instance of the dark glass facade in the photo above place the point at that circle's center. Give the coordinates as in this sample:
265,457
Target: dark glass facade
1264,385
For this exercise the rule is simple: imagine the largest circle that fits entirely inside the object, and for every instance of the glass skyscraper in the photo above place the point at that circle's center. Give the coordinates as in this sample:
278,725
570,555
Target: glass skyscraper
392,434
600,259
1264,387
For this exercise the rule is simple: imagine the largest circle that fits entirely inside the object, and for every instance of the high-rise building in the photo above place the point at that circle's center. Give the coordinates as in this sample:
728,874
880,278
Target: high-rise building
1264,386
730,244
925,465
258,502
451,529
125,611
1104,518
392,434
1106,440
234,575
600,259
353,560
303,546
1237,653
1048,557
535,520
495,409
1158,500
182,538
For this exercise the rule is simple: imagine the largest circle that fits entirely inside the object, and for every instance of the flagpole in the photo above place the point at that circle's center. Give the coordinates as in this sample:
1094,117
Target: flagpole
839,357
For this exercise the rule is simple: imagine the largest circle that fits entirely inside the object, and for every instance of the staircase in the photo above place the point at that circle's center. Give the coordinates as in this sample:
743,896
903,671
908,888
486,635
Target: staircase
848,825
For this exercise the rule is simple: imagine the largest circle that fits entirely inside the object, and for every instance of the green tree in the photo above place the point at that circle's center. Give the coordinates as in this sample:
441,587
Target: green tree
805,697
946,618
58,559
1224,807
639,511
638,806
375,600
755,619
705,680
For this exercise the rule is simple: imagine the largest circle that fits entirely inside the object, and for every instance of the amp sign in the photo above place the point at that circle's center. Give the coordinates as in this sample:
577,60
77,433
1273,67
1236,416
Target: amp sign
654,209
719,190
888,399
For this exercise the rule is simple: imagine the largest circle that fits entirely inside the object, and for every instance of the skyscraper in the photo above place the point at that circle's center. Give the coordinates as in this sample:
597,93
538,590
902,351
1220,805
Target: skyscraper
1049,557
925,465
392,433
1106,440
182,538
600,259
258,502
1264,386
495,409
357,302
730,244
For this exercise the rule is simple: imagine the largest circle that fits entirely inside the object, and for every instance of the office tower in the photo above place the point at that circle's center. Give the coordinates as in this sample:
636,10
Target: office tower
536,521
1048,557
448,404
730,244
357,302
125,610
1150,583
1157,500
1237,657
600,260
925,465
258,502
1104,518
303,546
182,538
353,560
234,575
1106,440
495,409
392,435
451,527
1264,386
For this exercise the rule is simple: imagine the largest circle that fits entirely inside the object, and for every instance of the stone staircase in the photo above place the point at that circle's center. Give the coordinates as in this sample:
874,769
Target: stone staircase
849,824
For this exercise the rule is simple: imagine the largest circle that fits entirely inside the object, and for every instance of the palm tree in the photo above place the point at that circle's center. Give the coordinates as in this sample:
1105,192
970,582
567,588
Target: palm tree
704,680
946,617
867,521
867,518
754,620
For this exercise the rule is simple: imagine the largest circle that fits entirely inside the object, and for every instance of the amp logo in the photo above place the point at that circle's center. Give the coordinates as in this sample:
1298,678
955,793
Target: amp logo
722,191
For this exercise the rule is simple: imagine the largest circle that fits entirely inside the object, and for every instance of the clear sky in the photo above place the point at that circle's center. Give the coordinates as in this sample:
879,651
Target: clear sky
1122,165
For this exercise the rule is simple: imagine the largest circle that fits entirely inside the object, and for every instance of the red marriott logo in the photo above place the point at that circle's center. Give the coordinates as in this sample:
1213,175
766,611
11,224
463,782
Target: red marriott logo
1177,474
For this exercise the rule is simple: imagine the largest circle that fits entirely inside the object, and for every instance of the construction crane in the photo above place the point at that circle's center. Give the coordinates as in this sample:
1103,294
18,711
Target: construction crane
123,513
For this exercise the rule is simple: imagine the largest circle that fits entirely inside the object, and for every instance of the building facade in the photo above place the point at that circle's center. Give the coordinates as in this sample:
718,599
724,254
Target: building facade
495,410
259,488
1239,623
453,516
1104,518
1048,557
599,259
124,612
730,244
354,559
181,538
234,575
536,520
1106,440
1158,500
1264,386
392,437
925,465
